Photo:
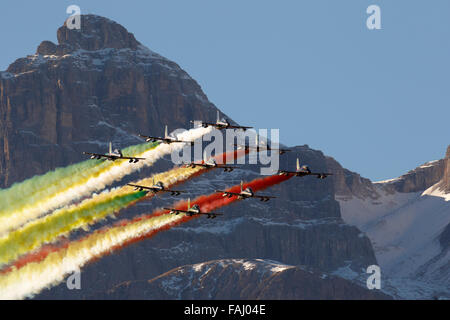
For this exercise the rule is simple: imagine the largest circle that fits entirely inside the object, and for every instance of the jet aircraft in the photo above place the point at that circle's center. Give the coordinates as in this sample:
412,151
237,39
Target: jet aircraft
245,193
113,155
193,211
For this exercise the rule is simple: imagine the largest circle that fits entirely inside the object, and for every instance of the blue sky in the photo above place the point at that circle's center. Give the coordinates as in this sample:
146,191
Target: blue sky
378,101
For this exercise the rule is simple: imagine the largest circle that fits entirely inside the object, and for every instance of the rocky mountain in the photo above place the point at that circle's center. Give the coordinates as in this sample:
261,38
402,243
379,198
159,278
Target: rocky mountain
407,220
233,279
99,84
301,227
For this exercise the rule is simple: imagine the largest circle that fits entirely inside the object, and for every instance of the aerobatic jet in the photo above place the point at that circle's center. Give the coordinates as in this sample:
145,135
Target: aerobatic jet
167,138
155,188
193,211
245,193
210,163
259,147
222,124
113,155
304,171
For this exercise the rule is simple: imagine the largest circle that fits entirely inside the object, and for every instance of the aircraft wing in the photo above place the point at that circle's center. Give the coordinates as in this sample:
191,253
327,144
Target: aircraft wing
176,211
181,141
203,124
140,188
174,192
130,158
281,151
227,193
99,155
205,165
150,138
193,165
320,175
207,124
155,190
153,139
238,127
225,167
285,173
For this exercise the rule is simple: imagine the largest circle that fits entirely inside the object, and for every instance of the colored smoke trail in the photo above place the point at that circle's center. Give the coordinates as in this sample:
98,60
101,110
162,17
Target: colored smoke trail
94,183
56,189
33,277
31,190
66,220
49,266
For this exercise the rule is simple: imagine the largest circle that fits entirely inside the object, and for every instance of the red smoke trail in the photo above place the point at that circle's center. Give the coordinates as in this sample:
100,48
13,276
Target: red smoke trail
230,155
43,252
226,157
206,203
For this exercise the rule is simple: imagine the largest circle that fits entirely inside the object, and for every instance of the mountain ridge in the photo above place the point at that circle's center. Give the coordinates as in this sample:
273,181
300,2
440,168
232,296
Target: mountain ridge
234,279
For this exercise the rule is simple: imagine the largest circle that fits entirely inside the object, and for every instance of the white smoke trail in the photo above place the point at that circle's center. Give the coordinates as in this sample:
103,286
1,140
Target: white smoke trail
96,183
63,221
35,276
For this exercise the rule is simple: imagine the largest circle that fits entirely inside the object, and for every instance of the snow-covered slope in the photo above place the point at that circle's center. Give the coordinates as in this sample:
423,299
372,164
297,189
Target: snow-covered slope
405,229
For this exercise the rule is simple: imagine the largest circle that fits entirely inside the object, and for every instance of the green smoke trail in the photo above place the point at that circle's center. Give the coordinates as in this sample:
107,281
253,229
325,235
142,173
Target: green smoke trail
61,222
33,189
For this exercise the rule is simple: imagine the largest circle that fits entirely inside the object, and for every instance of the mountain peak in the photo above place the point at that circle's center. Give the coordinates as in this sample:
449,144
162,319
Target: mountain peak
447,154
96,33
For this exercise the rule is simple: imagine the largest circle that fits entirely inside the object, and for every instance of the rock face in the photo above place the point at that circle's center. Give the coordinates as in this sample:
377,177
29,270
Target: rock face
100,84
420,178
234,279
302,226
97,82
350,184
446,179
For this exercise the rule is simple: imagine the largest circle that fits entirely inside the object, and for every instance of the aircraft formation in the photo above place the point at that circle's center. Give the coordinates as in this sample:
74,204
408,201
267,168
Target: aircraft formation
243,194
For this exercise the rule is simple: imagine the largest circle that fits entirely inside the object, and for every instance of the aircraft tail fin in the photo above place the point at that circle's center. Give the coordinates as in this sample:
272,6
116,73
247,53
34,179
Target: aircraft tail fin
298,165
165,132
189,204
242,185
218,116
257,142
153,181
204,156
110,147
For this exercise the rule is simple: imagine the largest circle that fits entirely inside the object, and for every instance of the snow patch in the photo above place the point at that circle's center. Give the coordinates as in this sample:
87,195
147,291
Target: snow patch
429,164
435,191
403,227
198,267
248,265
386,181
280,268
